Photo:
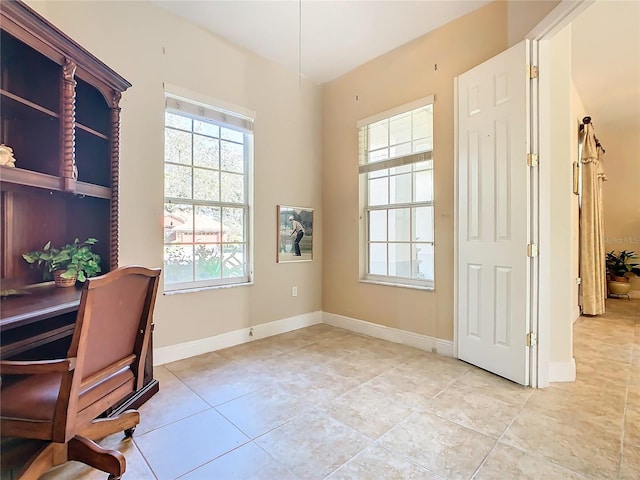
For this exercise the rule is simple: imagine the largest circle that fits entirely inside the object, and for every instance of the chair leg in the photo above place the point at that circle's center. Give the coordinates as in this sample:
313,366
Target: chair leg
37,463
87,451
101,427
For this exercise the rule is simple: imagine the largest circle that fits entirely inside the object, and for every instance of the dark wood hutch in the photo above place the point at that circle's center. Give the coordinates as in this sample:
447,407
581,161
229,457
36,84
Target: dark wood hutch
60,113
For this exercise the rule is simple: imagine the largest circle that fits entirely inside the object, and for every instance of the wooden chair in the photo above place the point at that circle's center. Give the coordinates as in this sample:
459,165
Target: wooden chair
59,401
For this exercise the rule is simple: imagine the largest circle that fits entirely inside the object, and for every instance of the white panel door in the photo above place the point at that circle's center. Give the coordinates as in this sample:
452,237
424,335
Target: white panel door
493,215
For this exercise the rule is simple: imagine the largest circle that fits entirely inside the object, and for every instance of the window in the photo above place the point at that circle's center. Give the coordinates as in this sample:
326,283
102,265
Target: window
207,163
396,191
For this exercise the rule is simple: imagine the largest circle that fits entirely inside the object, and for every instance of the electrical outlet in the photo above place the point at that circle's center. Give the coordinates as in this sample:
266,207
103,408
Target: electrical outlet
294,291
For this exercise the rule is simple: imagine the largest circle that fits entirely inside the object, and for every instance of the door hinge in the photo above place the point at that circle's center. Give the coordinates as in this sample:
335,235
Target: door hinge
532,339
532,71
532,160
532,250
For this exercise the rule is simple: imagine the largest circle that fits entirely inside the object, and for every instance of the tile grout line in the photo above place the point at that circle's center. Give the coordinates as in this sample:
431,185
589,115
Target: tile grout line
634,352
144,458
497,442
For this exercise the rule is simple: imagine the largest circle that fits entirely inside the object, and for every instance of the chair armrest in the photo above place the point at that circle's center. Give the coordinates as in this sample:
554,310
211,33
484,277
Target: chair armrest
32,367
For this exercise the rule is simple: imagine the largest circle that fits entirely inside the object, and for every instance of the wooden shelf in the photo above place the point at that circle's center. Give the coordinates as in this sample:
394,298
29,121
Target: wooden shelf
91,131
26,102
91,190
18,176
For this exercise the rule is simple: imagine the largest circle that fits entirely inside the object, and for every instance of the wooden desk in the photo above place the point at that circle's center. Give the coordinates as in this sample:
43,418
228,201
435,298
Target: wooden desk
43,321
43,315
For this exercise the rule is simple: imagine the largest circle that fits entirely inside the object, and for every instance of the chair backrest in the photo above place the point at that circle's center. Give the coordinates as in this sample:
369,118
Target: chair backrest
112,332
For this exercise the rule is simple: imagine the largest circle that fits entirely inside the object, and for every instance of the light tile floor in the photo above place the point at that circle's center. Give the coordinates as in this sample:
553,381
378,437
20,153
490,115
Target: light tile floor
322,402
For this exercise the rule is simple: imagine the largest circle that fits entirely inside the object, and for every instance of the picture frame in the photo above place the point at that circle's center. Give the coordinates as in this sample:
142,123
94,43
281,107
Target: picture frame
295,234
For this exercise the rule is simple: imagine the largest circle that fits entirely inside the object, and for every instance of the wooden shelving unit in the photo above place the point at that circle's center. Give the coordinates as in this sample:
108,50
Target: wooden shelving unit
59,111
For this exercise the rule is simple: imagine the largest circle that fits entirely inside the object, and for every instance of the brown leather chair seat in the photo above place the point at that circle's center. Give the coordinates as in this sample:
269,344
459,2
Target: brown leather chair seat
35,397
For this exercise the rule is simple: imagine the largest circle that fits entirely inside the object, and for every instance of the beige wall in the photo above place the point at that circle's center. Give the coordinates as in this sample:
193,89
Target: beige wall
398,77
148,46
621,201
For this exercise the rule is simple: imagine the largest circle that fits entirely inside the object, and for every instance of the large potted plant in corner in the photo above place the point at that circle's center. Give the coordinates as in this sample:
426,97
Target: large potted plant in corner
618,266
73,262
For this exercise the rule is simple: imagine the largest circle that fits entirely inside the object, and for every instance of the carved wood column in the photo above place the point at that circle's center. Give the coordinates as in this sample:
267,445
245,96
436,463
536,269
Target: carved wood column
68,120
115,178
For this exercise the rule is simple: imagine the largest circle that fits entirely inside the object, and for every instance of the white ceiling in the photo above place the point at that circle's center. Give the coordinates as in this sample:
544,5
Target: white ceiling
336,36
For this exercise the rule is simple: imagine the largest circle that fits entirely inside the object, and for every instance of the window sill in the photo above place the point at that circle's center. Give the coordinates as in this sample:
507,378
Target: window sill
428,288
207,288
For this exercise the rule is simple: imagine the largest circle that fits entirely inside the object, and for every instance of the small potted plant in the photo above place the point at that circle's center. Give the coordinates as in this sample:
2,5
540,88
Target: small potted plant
73,262
618,266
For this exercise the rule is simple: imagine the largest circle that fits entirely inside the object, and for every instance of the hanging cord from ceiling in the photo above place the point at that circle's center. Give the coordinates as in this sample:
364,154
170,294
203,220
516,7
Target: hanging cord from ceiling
299,42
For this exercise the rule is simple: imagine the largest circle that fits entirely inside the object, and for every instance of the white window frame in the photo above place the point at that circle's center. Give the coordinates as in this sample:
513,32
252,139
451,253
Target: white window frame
366,167
200,108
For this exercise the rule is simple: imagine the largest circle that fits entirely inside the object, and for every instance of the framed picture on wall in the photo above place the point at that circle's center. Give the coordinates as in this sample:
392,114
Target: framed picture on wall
295,234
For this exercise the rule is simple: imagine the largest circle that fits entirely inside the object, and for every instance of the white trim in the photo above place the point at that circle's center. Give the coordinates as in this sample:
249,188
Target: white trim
421,102
561,16
184,350
533,265
423,342
208,113
193,96
456,216
544,221
562,371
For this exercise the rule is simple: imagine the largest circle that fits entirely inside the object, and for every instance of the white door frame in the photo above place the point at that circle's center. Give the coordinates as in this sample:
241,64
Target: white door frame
541,111
554,22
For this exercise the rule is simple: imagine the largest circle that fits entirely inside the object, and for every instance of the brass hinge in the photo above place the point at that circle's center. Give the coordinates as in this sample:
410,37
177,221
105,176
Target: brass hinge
532,160
532,250
532,71
532,340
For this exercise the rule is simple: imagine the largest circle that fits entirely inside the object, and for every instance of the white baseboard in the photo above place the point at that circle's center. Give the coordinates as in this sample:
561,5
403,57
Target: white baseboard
562,371
423,342
634,293
184,350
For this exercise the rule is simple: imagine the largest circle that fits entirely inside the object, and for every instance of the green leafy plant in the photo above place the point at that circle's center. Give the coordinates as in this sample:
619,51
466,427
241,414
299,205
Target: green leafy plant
76,258
620,263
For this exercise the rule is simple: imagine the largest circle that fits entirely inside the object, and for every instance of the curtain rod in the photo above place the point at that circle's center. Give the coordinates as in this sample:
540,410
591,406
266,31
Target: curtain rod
586,121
